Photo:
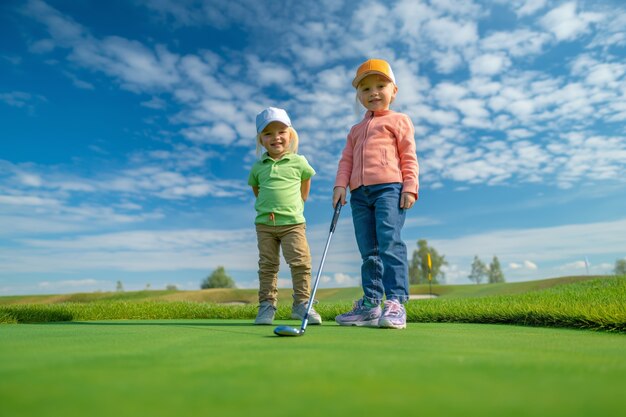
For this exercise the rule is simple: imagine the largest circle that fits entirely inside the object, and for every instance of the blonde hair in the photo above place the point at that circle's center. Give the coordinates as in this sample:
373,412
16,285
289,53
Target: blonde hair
293,142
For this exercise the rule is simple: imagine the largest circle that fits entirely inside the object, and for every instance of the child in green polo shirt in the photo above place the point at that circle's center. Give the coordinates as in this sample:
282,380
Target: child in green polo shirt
281,180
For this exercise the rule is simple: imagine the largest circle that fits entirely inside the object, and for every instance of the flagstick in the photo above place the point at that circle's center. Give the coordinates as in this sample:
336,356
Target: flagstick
430,276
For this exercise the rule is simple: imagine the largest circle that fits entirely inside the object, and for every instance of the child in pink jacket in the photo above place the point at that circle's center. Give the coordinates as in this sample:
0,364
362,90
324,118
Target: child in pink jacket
380,166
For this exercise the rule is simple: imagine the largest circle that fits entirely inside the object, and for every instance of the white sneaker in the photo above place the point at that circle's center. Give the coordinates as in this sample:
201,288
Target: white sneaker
360,315
266,313
298,311
394,315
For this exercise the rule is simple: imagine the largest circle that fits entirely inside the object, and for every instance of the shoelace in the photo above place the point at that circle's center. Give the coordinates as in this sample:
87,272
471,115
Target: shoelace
392,308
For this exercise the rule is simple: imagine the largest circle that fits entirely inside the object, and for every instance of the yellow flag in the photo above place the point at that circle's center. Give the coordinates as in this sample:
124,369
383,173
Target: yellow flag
430,267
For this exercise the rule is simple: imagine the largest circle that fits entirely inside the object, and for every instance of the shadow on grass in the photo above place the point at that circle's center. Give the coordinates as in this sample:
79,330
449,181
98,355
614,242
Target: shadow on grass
219,326
144,322
225,327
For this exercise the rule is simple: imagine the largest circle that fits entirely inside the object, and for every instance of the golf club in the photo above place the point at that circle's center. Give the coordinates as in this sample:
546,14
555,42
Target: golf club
292,331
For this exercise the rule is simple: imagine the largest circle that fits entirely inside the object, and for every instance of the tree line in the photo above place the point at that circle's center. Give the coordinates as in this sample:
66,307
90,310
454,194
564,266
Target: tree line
426,265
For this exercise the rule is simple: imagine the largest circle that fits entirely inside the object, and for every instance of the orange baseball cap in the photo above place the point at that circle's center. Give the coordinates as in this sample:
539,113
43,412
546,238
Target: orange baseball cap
373,66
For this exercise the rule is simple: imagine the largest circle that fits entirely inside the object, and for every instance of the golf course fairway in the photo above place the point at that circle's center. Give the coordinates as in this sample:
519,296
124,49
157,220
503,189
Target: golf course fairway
230,367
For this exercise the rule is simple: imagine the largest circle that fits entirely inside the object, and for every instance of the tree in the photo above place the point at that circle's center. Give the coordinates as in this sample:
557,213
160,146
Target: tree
479,271
418,267
218,279
620,267
495,273
119,287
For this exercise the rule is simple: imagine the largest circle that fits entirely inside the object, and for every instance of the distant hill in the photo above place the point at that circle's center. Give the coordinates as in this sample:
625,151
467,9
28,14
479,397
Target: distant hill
249,296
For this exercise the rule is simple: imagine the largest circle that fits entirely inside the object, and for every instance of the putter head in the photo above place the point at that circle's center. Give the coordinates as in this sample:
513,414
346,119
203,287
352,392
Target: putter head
287,331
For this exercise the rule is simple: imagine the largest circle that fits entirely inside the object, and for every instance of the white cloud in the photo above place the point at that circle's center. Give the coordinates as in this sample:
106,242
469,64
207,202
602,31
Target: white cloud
518,43
581,265
365,14
135,251
21,99
220,134
28,200
489,64
340,280
529,7
565,24
69,283
447,32
465,8
29,223
436,116
448,61
472,108
271,74
528,265
155,103
447,93
545,244
412,15
62,29
217,110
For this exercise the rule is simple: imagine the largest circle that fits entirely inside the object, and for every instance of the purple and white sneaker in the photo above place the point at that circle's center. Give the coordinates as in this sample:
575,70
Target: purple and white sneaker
394,315
360,315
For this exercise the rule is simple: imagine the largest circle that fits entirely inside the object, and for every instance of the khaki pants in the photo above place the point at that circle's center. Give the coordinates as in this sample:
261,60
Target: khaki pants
292,240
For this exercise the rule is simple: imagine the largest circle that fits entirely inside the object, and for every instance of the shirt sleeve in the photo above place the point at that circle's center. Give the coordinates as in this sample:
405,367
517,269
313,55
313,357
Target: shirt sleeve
253,178
307,170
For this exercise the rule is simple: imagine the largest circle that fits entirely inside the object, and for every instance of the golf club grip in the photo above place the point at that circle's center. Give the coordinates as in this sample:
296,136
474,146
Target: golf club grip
333,224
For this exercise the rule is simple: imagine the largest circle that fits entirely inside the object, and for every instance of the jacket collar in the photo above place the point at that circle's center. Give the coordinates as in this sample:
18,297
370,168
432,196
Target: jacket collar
378,113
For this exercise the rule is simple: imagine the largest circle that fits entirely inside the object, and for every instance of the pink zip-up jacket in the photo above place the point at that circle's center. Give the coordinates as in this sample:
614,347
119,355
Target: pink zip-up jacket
380,149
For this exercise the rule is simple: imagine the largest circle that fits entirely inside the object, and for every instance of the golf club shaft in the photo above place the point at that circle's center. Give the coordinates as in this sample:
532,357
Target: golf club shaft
333,224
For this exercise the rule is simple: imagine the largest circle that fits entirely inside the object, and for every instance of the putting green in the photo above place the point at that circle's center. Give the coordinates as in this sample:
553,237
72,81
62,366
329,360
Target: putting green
229,367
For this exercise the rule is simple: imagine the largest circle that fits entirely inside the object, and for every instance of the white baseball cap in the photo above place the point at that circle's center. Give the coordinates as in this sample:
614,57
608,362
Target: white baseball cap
269,115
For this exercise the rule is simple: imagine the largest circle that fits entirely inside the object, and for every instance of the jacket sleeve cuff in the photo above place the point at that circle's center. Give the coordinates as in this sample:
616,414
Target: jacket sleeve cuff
341,182
411,188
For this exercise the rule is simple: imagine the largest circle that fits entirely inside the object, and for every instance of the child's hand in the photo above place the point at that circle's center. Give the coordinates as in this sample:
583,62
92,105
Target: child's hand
339,194
407,200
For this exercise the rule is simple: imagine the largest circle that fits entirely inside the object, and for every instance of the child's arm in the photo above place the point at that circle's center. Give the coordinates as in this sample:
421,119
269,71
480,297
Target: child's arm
305,188
409,166
255,190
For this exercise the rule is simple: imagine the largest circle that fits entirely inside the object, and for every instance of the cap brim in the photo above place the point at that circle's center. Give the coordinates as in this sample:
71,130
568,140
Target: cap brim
267,122
358,79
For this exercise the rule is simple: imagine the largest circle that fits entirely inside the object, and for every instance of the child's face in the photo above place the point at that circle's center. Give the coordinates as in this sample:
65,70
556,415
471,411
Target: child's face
376,92
275,138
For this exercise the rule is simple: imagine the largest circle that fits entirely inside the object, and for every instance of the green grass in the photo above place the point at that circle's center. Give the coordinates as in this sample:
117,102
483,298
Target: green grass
163,353
508,288
596,304
231,368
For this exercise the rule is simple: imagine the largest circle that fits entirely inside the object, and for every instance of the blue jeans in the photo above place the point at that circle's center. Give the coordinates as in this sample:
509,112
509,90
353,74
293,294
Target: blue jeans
378,221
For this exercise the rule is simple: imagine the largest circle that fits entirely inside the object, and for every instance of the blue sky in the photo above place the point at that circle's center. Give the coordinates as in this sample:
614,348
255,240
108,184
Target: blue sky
127,132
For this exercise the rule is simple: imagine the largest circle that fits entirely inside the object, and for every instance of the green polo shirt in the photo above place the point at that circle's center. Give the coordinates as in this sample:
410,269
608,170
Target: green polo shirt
279,188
